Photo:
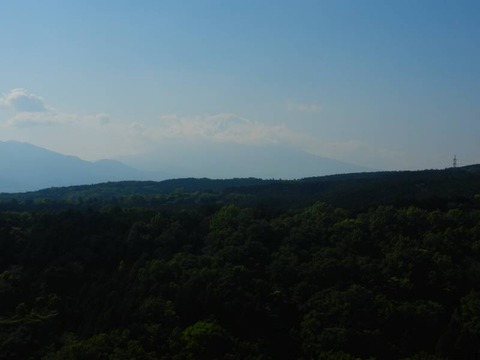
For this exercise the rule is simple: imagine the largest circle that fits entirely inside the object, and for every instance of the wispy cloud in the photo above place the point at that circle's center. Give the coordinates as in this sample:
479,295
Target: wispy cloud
30,110
50,118
32,119
224,127
97,136
230,128
21,100
85,135
303,107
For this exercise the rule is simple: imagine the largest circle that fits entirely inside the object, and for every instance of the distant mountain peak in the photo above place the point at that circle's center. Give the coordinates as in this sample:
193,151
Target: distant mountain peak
235,160
26,167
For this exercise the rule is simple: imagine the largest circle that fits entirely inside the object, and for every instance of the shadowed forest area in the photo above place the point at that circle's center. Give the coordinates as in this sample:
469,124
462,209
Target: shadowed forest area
360,266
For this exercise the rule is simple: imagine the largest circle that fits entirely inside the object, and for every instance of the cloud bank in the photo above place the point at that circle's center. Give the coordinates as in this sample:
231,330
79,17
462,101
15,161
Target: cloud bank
20,100
95,136
231,128
223,127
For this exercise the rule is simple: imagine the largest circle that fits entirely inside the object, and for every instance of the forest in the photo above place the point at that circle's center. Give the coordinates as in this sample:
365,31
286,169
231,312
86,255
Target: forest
357,266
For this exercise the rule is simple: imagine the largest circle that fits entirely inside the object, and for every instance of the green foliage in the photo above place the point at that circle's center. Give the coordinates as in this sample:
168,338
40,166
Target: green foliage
113,346
205,340
226,274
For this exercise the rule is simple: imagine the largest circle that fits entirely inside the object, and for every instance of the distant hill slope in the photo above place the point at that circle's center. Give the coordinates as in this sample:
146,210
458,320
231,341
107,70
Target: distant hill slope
429,188
25,167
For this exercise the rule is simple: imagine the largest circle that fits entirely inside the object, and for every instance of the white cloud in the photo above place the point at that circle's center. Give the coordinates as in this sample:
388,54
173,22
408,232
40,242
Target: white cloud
100,118
137,128
31,111
303,107
224,127
20,100
96,136
29,119
231,128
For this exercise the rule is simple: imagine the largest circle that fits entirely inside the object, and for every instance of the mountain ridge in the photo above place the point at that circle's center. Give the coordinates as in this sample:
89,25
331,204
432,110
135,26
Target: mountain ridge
430,188
26,167
233,160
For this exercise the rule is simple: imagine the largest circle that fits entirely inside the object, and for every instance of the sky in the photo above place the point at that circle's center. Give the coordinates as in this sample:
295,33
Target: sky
379,83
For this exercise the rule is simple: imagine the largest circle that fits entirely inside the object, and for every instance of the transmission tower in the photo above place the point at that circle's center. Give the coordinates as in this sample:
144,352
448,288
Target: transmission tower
454,161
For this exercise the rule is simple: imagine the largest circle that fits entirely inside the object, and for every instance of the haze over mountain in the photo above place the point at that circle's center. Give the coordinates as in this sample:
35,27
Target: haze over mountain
25,167
231,160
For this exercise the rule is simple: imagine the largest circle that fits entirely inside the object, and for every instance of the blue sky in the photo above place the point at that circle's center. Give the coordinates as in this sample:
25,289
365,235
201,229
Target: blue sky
386,84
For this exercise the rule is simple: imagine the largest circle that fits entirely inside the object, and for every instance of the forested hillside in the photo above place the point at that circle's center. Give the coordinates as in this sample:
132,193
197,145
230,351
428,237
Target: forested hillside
366,266
428,188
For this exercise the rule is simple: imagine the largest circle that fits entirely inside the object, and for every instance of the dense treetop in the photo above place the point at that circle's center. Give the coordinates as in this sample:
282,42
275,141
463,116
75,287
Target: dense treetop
261,271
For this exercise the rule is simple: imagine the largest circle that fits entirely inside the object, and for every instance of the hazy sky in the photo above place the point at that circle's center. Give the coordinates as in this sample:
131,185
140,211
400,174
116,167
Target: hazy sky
386,84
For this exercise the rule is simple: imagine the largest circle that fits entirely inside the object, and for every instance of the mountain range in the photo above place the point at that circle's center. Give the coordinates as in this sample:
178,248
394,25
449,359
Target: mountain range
25,167
233,160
